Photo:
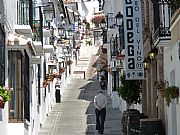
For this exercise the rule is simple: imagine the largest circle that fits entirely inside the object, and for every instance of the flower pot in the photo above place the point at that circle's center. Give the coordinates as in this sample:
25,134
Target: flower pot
57,75
162,92
2,104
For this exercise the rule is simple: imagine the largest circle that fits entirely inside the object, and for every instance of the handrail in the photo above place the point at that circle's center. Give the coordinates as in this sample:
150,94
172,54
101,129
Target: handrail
161,32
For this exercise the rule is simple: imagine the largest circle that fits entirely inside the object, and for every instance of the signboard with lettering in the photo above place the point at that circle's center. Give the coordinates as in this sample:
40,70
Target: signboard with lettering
133,40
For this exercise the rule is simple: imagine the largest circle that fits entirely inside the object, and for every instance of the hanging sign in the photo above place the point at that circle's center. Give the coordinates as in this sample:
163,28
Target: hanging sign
133,40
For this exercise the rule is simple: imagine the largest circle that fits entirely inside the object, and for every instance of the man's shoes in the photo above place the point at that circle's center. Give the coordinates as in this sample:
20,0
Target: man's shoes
101,133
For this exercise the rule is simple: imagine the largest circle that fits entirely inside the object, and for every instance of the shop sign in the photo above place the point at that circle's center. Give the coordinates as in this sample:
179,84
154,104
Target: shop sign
133,40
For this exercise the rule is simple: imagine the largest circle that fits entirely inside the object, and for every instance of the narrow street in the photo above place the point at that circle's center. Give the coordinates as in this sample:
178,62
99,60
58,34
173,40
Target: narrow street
75,115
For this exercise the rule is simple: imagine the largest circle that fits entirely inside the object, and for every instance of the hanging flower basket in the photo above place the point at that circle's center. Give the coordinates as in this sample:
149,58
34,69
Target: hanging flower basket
171,92
162,93
97,18
45,84
4,95
57,75
61,70
69,62
2,104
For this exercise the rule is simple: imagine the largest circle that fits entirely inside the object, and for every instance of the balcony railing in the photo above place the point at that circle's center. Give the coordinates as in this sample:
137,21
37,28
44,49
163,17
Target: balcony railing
161,32
23,12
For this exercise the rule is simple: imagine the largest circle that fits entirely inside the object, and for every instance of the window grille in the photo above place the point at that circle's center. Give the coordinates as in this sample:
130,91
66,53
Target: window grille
23,12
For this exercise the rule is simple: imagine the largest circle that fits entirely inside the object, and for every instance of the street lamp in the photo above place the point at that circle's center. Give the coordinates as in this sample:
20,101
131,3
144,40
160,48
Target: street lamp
61,30
145,63
103,24
70,32
119,24
119,19
112,47
153,53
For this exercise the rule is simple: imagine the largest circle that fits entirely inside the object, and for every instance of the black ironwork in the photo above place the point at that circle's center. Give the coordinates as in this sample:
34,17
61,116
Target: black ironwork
161,20
161,32
2,55
23,12
26,66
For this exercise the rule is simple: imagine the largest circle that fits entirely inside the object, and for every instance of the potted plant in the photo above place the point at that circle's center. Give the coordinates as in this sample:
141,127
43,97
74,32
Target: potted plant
171,92
4,95
57,75
69,62
130,91
89,42
160,85
61,70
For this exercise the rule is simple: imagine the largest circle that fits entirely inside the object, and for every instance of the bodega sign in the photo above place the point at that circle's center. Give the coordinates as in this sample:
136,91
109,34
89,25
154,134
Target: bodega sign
133,40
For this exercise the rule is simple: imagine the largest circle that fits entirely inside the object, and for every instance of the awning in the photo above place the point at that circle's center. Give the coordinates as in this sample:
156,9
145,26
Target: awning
19,42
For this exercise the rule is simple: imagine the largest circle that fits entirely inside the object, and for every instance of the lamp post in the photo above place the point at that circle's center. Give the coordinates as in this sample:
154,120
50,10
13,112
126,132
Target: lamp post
103,25
119,24
145,63
113,58
153,53
61,31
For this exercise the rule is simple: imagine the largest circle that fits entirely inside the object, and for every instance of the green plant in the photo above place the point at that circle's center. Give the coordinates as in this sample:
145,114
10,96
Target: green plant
87,26
130,90
171,93
89,42
5,93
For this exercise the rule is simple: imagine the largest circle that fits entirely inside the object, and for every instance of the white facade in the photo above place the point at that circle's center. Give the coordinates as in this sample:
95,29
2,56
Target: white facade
171,70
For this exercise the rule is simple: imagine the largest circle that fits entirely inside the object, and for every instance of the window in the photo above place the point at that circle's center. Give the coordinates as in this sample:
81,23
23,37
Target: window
18,74
15,81
23,12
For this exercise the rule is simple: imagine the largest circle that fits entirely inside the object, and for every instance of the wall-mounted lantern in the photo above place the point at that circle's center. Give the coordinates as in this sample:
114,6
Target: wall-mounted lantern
119,19
153,53
146,63
70,32
103,24
61,30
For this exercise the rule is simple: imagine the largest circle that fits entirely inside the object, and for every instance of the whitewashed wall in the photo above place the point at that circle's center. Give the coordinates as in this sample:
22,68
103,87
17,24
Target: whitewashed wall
172,62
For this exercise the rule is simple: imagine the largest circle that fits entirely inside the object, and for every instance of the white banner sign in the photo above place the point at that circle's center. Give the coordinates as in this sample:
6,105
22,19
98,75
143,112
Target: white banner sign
133,40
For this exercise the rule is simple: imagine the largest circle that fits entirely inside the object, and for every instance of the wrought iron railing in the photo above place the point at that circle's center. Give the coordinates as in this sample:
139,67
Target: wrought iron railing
23,12
161,32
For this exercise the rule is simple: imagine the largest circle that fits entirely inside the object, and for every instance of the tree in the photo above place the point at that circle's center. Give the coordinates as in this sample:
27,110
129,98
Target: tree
130,91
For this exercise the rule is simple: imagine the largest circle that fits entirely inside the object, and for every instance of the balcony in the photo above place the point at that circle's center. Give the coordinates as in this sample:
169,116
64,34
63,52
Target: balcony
162,37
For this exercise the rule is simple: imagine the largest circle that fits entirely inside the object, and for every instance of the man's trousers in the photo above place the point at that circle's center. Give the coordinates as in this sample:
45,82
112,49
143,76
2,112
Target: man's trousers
100,119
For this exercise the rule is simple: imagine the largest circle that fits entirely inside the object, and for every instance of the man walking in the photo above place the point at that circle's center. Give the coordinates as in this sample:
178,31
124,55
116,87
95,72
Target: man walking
100,102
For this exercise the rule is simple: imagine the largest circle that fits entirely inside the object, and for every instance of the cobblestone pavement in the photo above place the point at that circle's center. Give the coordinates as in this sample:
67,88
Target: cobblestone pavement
75,115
